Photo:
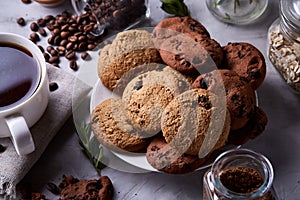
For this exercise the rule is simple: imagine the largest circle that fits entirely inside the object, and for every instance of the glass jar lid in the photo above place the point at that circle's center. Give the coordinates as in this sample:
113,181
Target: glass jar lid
290,14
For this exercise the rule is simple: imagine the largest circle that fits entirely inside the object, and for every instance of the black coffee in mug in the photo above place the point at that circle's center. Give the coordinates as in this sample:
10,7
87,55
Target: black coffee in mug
19,75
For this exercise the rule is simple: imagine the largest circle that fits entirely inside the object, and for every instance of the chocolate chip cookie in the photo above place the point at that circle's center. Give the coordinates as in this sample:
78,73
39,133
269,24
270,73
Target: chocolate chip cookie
73,188
240,96
185,45
114,129
128,50
163,157
247,61
148,94
196,122
255,126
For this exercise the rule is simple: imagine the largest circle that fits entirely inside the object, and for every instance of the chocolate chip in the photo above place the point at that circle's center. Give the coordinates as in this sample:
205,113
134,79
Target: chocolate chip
138,85
202,99
21,21
203,84
208,106
240,55
53,86
34,26
54,189
255,74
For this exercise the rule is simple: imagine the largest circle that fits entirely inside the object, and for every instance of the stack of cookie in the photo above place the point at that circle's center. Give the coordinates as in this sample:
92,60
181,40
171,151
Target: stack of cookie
182,95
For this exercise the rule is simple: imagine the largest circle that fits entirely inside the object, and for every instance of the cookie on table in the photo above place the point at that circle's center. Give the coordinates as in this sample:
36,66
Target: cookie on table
128,50
247,61
73,188
196,122
163,157
113,129
186,48
180,24
255,126
146,96
240,96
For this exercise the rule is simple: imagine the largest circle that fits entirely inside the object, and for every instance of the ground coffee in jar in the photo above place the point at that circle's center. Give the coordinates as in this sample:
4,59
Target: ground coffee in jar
239,174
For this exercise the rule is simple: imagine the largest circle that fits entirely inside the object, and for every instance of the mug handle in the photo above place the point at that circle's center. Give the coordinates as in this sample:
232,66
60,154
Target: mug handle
20,135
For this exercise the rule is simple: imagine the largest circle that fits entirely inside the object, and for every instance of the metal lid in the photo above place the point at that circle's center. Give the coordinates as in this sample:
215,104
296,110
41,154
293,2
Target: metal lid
290,13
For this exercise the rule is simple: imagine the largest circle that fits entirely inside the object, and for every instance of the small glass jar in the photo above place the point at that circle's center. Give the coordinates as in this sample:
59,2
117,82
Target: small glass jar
284,43
113,14
239,174
237,11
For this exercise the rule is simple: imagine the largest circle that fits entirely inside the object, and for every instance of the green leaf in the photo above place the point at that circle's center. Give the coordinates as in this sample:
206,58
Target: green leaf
175,7
91,147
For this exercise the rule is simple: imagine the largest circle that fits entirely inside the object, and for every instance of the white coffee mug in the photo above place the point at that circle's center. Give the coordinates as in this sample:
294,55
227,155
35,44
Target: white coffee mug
17,118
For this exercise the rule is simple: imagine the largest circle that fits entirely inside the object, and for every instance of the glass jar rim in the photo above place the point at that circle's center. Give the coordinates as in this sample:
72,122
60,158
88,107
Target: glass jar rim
290,14
246,153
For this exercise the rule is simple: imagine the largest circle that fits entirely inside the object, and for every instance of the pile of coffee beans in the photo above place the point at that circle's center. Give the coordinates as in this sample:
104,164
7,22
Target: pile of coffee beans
69,36
117,14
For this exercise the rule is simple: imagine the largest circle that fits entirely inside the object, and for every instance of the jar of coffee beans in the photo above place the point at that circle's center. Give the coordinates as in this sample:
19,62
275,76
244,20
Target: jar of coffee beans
239,174
113,14
284,43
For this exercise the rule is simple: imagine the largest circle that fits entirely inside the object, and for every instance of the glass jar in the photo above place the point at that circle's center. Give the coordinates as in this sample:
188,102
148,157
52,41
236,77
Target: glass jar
113,14
284,43
237,11
239,174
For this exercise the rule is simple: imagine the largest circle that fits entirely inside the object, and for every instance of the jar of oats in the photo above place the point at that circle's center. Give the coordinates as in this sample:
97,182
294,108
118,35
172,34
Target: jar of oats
239,174
284,43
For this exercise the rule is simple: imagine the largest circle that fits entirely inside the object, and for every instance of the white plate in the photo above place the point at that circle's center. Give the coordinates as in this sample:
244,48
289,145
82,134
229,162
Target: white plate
101,93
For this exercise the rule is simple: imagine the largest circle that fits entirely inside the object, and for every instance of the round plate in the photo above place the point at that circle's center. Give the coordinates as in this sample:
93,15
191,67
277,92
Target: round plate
101,93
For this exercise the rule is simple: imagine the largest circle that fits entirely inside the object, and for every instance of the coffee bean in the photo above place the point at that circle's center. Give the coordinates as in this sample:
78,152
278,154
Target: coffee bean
2,148
57,40
82,46
73,65
34,26
52,87
41,22
54,59
70,46
26,1
48,18
56,31
91,47
49,48
73,38
84,55
42,32
46,56
88,28
82,38
41,48
50,26
64,34
53,52
61,48
21,21
63,43
65,27
34,37
61,53
55,64
70,55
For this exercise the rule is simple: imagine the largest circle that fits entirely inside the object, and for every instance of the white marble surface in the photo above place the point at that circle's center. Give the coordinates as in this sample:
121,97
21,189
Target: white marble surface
280,142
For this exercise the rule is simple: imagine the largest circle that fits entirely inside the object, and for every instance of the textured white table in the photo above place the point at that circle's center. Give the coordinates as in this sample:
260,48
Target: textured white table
280,142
